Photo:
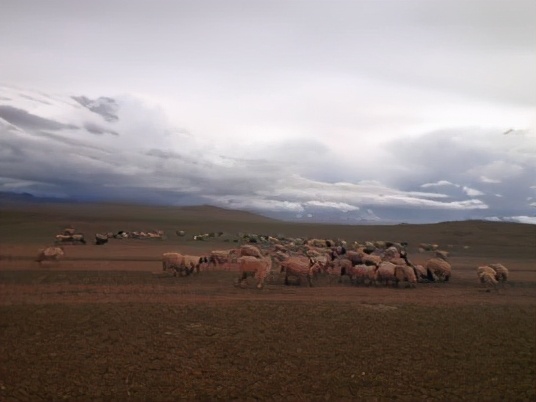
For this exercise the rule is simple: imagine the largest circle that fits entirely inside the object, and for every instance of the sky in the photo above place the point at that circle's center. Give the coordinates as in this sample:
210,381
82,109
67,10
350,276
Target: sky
371,110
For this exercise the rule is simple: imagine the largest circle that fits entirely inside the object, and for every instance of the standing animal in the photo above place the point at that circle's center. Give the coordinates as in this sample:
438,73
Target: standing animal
101,239
51,253
219,258
176,262
256,267
386,273
300,267
72,239
438,268
250,250
487,276
501,272
362,274
405,273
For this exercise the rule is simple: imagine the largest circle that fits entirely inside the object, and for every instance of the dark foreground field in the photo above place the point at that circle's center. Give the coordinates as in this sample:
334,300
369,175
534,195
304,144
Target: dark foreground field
106,324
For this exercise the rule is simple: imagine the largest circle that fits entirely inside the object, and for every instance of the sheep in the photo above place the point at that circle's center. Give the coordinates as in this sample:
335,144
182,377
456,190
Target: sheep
176,262
405,273
101,239
300,267
341,265
319,243
253,266
249,250
361,273
386,273
438,268
192,263
74,238
420,273
219,257
68,231
50,254
355,256
501,272
391,253
488,279
369,259
485,269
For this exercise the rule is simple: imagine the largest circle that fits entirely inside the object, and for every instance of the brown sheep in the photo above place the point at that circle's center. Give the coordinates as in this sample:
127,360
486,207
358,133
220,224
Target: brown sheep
386,273
438,268
250,250
501,272
300,267
405,273
175,262
50,254
253,266
488,279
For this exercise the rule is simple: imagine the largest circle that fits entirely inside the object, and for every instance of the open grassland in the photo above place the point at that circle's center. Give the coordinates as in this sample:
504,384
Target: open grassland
106,324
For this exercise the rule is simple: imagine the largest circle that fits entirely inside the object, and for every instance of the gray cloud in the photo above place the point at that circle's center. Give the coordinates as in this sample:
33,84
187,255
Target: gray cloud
25,120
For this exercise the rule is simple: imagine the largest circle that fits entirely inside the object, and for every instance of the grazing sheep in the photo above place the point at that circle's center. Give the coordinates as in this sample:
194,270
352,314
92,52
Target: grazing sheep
501,272
391,254
420,273
191,263
219,258
253,266
72,239
386,273
369,259
175,262
485,269
488,279
250,250
355,256
50,254
342,265
300,267
438,269
101,239
363,274
405,273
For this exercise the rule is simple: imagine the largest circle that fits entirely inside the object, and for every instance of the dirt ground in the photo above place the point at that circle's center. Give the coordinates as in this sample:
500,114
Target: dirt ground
106,323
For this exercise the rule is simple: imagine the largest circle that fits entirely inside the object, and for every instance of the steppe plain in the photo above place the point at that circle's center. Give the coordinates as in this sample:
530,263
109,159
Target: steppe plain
105,324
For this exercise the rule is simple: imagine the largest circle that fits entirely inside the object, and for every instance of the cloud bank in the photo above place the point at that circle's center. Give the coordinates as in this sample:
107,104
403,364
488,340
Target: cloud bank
50,145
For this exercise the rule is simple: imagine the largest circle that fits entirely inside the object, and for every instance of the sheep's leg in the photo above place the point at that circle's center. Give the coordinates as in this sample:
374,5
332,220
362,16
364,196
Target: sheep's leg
310,281
430,275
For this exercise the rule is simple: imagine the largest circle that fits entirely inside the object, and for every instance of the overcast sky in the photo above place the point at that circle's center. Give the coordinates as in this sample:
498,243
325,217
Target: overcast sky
281,105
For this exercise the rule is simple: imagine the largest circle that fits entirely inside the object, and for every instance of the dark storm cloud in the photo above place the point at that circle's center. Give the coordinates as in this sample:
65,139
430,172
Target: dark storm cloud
104,106
21,118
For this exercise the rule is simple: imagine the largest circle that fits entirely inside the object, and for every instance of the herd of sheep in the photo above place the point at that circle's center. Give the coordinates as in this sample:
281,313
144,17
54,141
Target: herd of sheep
362,265
369,263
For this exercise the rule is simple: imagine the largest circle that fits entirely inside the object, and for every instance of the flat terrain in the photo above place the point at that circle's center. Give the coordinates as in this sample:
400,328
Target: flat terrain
106,323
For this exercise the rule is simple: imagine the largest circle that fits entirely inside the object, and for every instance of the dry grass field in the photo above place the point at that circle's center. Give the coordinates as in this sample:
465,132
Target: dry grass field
105,324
